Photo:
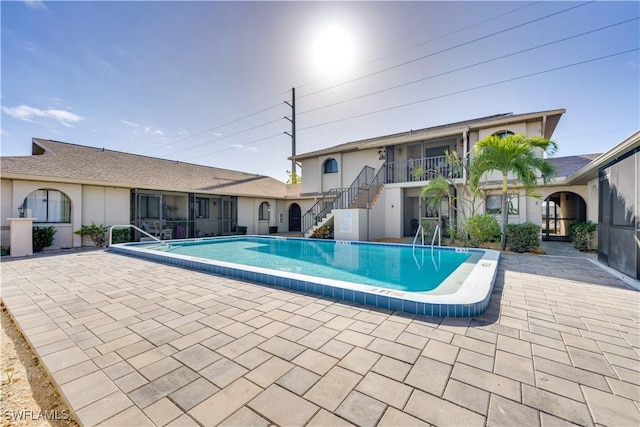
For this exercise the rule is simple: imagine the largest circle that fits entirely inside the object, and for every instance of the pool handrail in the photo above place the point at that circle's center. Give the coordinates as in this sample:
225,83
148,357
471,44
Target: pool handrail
129,226
439,233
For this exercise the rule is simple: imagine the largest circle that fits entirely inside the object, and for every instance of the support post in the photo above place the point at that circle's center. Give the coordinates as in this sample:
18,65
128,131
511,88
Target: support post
293,130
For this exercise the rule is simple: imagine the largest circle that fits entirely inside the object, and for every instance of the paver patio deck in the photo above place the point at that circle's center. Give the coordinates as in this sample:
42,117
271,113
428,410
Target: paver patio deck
132,342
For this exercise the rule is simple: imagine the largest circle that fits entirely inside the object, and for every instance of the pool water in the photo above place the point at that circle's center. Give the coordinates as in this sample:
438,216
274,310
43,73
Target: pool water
402,268
417,280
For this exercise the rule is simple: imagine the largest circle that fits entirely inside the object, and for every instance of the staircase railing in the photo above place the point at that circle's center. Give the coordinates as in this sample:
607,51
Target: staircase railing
374,186
337,198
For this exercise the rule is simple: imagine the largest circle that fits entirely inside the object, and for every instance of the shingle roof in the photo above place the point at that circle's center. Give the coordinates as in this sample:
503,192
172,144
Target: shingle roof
567,166
77,163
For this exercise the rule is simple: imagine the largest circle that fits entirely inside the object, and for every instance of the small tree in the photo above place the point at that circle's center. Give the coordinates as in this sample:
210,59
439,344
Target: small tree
463,202
516,154
294,178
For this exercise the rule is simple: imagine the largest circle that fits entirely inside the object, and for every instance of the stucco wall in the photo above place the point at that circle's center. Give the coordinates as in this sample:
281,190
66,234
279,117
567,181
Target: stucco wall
393,212
311,181
105,205
7,210
246,214
377,218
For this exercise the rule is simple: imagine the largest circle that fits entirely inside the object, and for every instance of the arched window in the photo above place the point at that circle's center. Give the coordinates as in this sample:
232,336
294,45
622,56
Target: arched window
330,166
503,133
48,206
264,213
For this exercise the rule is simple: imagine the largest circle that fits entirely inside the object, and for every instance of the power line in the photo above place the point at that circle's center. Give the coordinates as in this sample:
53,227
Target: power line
472,89
234,147
214,128
190,136
469,66
424,42
445,50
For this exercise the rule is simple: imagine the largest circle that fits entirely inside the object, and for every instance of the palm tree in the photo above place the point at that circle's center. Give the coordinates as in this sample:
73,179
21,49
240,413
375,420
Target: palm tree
516,154
437,189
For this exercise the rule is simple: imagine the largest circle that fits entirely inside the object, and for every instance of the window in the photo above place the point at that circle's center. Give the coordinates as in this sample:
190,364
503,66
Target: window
503,133
202,207
149,206
493,204
264,213
49,206
330,166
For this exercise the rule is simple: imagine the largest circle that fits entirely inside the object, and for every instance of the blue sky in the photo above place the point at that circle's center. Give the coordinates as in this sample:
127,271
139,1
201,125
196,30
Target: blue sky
205,82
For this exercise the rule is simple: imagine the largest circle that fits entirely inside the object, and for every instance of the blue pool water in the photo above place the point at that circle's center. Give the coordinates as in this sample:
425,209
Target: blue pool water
402,268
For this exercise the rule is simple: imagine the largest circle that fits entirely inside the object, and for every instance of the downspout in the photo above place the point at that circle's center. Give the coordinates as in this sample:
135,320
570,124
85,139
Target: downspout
544,126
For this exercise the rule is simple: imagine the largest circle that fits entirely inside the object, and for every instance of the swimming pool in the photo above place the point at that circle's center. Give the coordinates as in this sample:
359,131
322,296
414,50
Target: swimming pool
419,280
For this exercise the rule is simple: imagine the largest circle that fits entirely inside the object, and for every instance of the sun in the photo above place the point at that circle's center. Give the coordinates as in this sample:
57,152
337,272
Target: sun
332,49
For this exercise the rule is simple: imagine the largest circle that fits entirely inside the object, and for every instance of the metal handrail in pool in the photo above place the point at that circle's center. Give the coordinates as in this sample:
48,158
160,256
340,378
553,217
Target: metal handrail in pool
129,226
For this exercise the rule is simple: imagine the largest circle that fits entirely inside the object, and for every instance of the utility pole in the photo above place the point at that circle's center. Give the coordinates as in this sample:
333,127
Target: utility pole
293,130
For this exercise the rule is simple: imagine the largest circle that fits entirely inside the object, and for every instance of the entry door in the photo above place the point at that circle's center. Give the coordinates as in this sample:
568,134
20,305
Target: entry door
228,218
295,217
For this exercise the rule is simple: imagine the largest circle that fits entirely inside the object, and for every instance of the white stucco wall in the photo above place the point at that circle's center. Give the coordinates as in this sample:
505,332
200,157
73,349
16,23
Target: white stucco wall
246,214
311,183
105,205
350,224
393,212
376,218
7,210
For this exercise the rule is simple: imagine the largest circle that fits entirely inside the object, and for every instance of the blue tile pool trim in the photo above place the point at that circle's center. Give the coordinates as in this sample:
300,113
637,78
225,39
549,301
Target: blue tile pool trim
409,303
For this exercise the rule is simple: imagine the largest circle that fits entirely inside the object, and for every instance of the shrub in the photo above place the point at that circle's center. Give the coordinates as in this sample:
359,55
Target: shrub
324,232
523,237
42,237
242,229
482,229
120,235
97,233
581,234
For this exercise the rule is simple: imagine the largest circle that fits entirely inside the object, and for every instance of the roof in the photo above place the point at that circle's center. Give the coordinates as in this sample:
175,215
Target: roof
590,171
64,162
550,117
567,166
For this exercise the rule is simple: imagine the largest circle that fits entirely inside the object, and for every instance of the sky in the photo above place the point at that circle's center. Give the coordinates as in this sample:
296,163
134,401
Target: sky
210,82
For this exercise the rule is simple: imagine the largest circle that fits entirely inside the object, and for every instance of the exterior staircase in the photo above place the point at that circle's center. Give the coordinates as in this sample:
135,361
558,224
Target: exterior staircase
362,194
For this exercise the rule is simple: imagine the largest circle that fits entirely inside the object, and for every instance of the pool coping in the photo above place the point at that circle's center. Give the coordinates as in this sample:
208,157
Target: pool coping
470,299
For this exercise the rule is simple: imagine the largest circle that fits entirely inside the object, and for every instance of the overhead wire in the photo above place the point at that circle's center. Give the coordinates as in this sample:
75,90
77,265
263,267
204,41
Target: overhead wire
411,61
471,89
467,66
422,43
193,135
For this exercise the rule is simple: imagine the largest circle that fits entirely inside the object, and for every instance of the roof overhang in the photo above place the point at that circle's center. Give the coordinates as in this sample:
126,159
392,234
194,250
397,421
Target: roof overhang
590,171
549,119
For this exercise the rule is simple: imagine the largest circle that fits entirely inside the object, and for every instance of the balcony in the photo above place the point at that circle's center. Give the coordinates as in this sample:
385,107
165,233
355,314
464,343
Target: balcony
402,171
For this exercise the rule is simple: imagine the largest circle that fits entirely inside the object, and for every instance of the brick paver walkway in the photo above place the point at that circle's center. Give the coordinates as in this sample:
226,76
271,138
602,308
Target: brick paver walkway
131,342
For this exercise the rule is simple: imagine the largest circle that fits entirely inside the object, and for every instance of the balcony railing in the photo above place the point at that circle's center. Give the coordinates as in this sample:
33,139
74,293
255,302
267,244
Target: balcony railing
403,171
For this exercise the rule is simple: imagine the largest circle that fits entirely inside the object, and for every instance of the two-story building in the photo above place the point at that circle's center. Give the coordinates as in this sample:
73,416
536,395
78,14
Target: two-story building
376,177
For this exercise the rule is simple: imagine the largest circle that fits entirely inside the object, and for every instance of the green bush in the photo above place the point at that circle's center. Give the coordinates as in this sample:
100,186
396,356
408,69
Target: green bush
581,234
242,229
97,233
482,229
42,237
120,235
523,237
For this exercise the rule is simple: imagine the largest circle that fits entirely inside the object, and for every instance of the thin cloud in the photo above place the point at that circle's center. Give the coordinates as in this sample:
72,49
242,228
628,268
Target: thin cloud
128,123
28,114
35,4
242,147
